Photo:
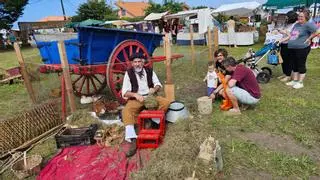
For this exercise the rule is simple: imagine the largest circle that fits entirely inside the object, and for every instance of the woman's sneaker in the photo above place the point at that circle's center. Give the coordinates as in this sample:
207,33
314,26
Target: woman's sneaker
285,79
298,85
291,83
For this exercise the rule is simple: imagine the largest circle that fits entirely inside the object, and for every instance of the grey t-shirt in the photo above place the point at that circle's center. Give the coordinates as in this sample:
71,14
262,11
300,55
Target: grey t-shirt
299,34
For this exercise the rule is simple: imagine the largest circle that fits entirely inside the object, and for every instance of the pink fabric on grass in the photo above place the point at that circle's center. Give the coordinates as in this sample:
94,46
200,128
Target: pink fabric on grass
93,162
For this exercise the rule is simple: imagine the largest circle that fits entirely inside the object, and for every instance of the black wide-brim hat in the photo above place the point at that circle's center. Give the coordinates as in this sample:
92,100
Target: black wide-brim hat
137,55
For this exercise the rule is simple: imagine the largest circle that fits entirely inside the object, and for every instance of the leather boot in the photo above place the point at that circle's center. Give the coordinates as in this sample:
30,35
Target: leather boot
133,148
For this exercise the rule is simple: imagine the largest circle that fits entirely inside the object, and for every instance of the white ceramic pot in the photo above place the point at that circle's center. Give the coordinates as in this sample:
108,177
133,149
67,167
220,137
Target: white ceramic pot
177,110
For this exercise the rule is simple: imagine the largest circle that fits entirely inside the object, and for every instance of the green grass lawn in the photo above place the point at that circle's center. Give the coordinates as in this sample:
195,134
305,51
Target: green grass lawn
279,138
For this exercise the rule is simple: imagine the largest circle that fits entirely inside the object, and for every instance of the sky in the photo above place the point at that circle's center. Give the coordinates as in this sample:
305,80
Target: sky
38,9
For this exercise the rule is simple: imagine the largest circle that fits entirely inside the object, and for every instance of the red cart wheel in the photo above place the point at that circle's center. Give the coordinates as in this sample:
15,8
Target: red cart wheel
119,62
88,84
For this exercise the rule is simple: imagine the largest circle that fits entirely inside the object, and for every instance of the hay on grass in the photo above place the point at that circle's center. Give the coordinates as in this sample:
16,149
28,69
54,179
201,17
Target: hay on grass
82,118
176,158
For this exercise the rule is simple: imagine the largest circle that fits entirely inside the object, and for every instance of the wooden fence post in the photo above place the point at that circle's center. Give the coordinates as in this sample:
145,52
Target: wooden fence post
165,48
63,98
169,86
66,74
192,44
210,44
216,38
27,82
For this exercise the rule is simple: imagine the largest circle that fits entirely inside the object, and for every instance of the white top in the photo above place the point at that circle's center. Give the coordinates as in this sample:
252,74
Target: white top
287,29
143,88
231,24
212,79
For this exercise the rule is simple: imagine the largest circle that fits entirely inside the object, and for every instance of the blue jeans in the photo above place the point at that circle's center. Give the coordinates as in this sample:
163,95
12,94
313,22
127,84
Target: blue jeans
210,90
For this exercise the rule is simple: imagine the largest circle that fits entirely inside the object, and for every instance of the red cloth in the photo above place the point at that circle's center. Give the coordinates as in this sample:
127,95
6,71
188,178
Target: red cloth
93,162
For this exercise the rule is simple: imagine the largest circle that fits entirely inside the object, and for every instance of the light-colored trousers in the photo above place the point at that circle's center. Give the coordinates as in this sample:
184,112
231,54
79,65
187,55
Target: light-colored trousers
134,107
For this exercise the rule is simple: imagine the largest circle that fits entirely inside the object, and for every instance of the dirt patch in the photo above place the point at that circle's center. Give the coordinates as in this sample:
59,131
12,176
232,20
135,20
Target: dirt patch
244,174
284,144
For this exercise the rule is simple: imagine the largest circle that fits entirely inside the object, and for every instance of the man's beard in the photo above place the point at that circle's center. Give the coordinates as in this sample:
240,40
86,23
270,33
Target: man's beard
137,69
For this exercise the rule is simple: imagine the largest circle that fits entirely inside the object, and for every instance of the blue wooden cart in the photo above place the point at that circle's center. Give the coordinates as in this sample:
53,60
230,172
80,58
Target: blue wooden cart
100,57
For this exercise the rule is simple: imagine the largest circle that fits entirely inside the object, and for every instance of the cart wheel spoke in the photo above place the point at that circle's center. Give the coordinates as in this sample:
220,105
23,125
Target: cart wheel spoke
125,55
82,84
121,63
118,71
75,81
138,49
130,50
88,85
93,84
95,77
119,80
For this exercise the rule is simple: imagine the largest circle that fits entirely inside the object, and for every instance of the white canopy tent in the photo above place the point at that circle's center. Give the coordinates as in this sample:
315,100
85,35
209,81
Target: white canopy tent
283,11
116,22
204,18
239,9
155,16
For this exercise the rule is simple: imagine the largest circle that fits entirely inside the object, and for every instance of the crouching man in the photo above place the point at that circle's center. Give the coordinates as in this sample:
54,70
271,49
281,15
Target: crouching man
243,86
138,82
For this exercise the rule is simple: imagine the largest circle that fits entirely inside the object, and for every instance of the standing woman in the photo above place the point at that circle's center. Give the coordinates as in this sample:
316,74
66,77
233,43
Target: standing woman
231,24
284,51
299,47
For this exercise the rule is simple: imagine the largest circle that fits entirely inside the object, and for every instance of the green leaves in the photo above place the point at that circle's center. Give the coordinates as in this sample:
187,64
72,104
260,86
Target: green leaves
10,11
172,7
95,10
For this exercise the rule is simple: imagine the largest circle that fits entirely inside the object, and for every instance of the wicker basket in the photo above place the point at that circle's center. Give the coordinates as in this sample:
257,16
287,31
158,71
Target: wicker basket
27,125
33,167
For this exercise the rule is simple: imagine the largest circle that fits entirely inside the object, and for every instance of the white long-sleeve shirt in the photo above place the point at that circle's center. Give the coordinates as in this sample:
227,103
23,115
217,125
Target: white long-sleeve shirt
143,88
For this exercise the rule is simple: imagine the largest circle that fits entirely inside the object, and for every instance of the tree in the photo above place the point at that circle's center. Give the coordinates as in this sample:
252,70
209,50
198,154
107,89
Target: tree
94,10
154,8
200,7
10,11
134,19
171,6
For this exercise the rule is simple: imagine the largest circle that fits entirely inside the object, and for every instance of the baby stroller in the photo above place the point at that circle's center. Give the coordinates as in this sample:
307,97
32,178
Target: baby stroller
270,51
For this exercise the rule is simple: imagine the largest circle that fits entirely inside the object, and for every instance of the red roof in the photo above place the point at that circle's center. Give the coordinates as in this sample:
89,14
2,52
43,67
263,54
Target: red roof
134,8
53,18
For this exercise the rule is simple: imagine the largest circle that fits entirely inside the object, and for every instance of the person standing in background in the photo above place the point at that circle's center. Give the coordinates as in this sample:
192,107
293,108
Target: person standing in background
299,47
12,38
231,24
284,51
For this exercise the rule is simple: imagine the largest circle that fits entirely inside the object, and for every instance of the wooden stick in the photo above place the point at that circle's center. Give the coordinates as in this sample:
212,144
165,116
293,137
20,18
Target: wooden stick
216,38
63,98
32,141
164,48
168,60
66,74
25,159
192,44
169,86
27,82
210,44
42,139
